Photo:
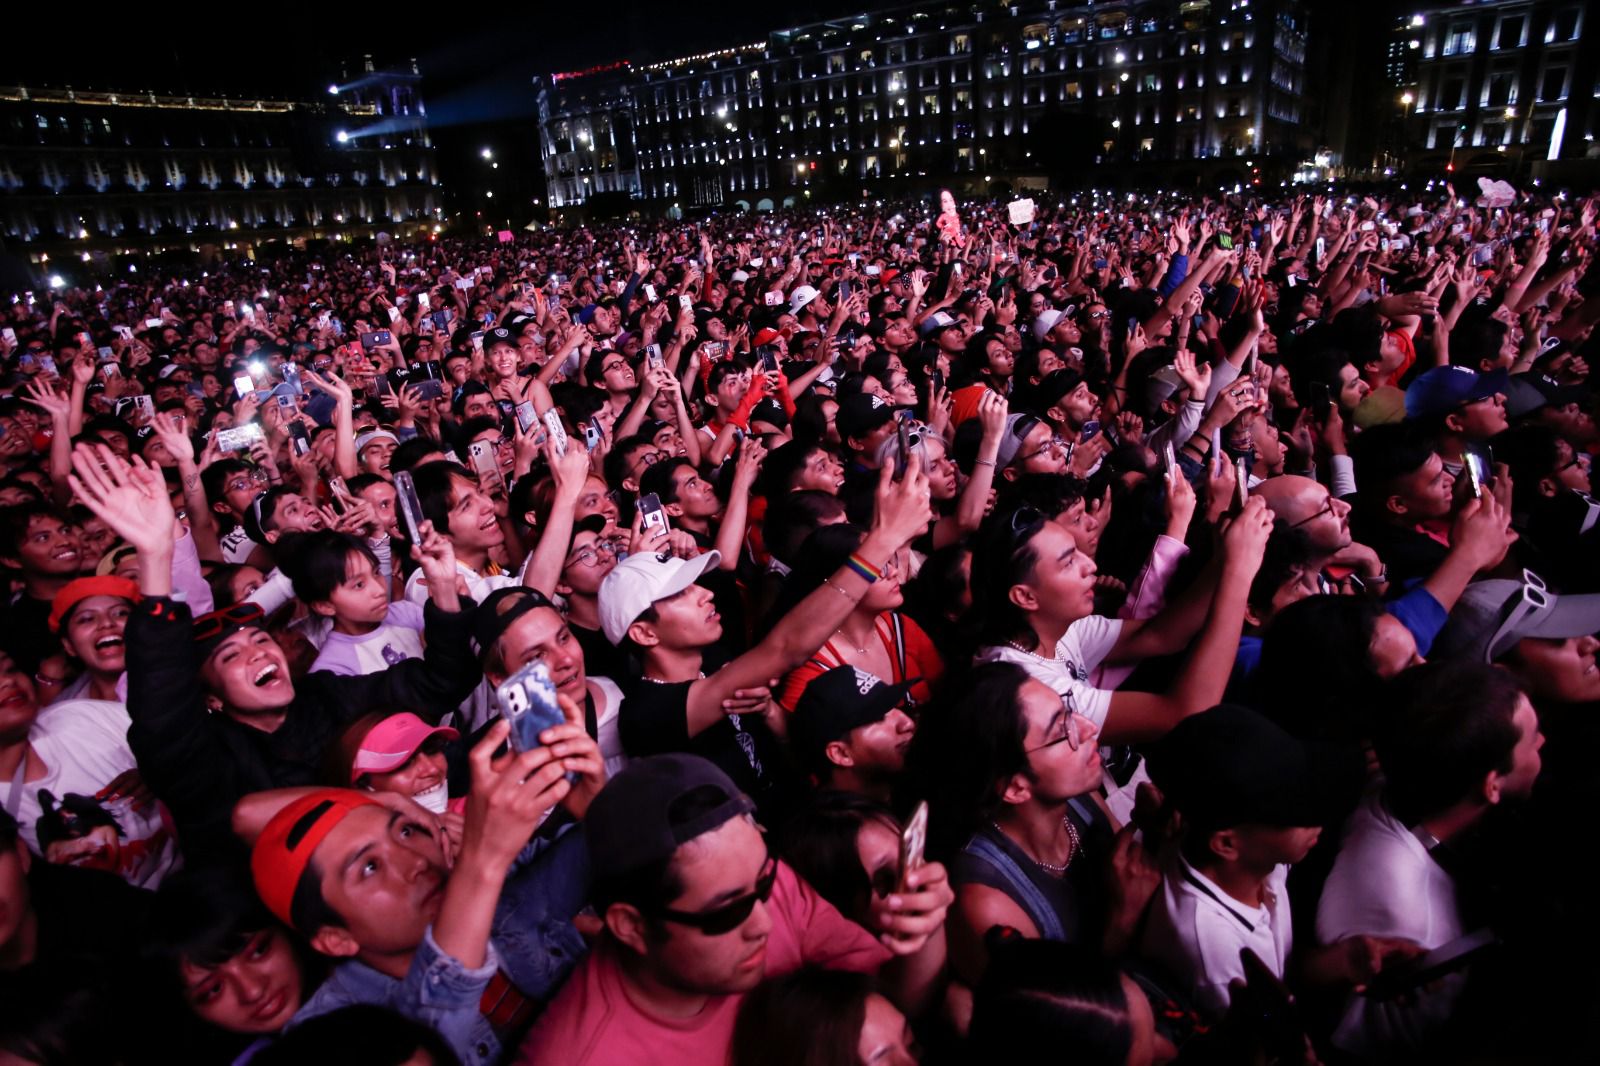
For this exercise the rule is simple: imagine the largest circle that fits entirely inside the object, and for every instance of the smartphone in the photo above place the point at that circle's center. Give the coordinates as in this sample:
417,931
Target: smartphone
1476,473
286,402
558,432
1171,458
528,702
422,301
903,451
526,416
239,438
243,384
1321,399
340,499
844,289
105,355
651,514
486,465
152,323
1440,962
685,303
768,354
405,497
299,440
477,340
376,339
650,292
652,354
1090,430
1322,249
913,842
291,377
593,435
1241,482
1274,1018
11,335
935,382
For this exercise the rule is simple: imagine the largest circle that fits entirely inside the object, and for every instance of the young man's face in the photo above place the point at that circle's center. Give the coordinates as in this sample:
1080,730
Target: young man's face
714,868
541,635
596,499
688,619
49,548
362,597
592,557
696,497
1352,390
1263,846
481,405
381,495
92,634
1084,527
375,456
295,514
255,990
473,522
1057,771
1427,492
1063,577
877,750
1039,454
1482,419
384,875
249,672
669,440
503,360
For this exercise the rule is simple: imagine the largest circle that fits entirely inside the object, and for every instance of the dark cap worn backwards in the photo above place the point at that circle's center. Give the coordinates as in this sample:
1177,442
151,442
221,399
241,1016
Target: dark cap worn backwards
630,824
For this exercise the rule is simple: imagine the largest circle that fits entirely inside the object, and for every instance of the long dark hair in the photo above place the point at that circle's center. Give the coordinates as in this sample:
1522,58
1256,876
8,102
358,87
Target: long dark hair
811,1017
1047,994
1316,678
968,742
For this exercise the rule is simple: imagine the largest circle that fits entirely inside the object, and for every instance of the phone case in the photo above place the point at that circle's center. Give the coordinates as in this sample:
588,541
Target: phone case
528,702
405,491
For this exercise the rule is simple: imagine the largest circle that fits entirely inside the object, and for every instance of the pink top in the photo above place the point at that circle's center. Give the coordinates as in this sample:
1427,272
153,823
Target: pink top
1146,596
594,1022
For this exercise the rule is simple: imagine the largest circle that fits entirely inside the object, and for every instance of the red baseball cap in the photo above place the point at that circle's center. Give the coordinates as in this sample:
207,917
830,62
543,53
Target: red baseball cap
80,589
285,847
765,336
389,744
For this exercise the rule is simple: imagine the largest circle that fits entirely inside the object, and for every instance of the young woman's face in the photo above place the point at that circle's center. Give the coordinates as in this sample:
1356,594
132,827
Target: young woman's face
362,598
256,990
1562,671
886,1038
424,772
18,702
93,633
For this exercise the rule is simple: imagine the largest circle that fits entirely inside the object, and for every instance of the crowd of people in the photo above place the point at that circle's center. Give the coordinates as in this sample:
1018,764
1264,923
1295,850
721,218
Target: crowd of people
1125,630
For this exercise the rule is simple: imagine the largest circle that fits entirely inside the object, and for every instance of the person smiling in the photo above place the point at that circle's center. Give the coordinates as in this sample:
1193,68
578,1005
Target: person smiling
262,730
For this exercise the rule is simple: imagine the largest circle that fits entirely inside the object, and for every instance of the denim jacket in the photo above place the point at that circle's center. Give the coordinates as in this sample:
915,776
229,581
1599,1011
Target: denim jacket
537,948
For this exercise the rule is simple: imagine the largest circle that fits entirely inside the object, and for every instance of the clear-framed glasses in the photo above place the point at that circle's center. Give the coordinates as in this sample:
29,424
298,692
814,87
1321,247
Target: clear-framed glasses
590,554
1071,731
1054,444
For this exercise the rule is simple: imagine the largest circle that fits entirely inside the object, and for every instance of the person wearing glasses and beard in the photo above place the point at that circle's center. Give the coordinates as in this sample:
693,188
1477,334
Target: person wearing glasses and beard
698,912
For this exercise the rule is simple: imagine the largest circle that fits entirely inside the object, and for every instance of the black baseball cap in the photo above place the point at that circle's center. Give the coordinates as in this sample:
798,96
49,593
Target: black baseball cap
835,702
861,414
1233,766
498,335
631,823
499,609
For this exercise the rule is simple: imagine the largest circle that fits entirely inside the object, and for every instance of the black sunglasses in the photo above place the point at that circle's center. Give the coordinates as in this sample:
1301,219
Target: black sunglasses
731,915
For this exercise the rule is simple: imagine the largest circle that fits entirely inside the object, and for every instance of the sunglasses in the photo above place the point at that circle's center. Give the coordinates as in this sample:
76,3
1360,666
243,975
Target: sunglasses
722,920
1533,598
208,626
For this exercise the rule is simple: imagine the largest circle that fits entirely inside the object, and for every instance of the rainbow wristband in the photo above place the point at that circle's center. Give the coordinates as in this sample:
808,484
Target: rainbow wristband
866,570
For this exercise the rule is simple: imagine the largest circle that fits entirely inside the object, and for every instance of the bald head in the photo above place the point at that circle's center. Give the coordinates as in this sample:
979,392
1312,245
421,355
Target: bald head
1305,505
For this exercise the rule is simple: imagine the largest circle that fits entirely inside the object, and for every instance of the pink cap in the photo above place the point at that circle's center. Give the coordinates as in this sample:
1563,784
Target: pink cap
392,741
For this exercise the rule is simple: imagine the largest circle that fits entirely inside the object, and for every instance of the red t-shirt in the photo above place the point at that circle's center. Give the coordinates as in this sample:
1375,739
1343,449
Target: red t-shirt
921,660
594,1022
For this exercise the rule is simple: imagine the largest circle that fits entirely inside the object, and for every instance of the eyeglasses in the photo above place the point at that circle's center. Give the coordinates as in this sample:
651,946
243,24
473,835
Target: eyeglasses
1071,731
1099,314
590,553
1053,444
208,626
731,915
1326,508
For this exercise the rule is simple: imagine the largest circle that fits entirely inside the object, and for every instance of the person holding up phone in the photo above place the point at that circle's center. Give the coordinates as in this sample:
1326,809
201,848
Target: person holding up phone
267,724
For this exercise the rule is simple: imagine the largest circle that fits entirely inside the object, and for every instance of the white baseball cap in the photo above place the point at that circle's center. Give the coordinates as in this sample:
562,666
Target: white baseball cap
802,296
1045,322
640,580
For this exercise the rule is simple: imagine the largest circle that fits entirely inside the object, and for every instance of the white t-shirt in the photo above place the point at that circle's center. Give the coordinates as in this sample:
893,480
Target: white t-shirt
237,545
1083,647
1197,931
1384,883
479,707
607,709
84,746
397,638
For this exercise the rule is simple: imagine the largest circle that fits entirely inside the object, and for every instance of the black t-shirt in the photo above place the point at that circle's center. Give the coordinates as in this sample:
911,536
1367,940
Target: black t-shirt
654,720
601,658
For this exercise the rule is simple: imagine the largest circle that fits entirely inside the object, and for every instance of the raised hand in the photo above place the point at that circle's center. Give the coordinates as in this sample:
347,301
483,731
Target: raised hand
172,428
131,499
